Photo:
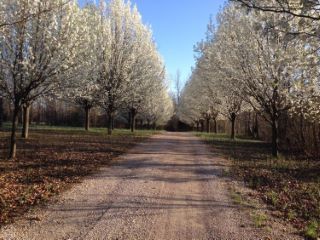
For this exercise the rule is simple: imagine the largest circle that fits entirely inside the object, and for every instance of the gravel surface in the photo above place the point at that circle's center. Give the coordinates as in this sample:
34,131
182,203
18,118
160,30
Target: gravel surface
170,187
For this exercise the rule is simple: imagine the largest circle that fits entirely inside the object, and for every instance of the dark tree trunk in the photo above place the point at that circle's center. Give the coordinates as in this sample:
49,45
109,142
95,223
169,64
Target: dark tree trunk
233,121
13,140
133,119
301,126
197,126
129,119
110,120
215,126
315,139
275,137
256,127
87,120
249,124
202,126
1,112
25,121
208,125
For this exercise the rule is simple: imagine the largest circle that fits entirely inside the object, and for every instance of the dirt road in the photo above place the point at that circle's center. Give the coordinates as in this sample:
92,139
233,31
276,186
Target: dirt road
168,188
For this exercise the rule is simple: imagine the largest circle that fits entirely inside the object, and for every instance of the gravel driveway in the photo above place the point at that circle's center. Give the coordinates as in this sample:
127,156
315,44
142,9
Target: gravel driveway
170,187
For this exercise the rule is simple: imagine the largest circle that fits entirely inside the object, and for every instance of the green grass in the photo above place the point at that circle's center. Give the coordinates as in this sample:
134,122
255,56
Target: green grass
81,130
260,219
225,138
312,230
237,198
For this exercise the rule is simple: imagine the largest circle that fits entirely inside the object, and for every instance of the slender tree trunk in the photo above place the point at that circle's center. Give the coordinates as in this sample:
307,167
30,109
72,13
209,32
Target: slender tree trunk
197,126
87,121
133,119
233,121
25,121
248,127
315,139
110,119
13,140
1,112
301,126
215,127
129,119
275,137
202,126
208,125
256,127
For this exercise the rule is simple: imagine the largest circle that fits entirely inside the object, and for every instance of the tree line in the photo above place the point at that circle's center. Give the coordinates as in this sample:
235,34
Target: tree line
97,56
261,58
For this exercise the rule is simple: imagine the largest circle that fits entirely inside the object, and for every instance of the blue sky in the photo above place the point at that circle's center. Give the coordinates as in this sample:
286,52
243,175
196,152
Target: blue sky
177,26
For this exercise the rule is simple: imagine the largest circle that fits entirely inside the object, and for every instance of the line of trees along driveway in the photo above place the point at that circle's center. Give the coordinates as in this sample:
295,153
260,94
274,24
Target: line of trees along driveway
97,56
260,61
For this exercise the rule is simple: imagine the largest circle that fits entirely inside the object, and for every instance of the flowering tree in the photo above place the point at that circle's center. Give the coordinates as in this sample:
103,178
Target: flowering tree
37,52
83,89
251,59
116,56
146,73
308,10
129,63
159,107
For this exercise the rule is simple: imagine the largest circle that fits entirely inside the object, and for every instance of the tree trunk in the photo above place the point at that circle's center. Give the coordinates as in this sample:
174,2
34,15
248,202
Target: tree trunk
256,127
315,139
249,124
197,126
301,128
1,112
215,126
208,125
275,137
110,120
13,140
129,120
233,121
25,121
133,119
87,123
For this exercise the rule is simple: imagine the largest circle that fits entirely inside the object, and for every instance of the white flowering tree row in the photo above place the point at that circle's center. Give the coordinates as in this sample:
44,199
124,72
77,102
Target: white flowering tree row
255,60
95,56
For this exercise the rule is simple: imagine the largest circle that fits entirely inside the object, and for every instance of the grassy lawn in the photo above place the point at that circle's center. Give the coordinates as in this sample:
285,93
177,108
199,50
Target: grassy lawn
290,187
51,160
